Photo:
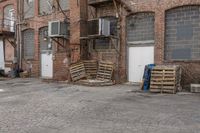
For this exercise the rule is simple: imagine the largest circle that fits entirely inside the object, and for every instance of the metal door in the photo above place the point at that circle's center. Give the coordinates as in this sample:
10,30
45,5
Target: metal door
138,58
46,65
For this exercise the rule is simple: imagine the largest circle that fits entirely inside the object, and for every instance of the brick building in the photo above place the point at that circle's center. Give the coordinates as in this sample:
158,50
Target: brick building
7,36
49,57
149,31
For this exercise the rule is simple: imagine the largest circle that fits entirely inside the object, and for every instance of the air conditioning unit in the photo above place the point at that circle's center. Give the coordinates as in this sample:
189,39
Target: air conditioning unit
58,29
99,27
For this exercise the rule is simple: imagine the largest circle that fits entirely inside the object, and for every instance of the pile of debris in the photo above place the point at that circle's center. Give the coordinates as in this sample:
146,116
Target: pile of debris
92,73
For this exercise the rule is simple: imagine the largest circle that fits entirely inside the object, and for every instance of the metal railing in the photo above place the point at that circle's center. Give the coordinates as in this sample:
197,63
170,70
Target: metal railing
7,25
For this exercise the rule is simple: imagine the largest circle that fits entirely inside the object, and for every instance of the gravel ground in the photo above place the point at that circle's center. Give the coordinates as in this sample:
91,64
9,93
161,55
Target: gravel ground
32,106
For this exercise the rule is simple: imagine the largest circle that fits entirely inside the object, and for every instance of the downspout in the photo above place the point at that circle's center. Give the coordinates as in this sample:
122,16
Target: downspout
118,15
20,32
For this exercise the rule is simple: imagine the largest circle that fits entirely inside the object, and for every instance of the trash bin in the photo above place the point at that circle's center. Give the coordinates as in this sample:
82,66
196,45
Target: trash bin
2,73
147,76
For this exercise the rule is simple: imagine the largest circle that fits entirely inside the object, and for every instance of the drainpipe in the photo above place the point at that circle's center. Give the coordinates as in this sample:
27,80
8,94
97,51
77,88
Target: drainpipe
19,31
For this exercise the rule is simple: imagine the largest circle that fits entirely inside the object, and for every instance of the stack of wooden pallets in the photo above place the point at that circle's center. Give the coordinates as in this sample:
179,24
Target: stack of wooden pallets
91,73
105,71
165,79
90,68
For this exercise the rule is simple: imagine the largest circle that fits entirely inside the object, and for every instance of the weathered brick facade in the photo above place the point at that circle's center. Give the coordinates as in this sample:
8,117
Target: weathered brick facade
6,26
162,10
71,47
171,26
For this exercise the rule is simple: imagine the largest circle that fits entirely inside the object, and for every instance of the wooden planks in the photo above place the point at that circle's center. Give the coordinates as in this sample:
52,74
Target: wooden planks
95,74
165,79
77,71
105,70
90,68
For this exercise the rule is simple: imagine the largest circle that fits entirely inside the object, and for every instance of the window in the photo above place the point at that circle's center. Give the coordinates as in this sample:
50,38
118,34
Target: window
44,39
29,2
182,40
64,4
29,44
29,6
45,7
105,43
140,29
101,44
9,18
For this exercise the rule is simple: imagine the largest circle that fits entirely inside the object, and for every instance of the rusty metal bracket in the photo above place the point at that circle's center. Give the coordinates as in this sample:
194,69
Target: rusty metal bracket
54,39
12,43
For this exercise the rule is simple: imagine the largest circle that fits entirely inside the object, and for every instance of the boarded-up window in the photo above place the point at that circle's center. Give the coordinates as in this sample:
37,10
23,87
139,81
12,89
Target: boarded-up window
29,6
44,39
140,28
45,7
182,41
64,4
29,44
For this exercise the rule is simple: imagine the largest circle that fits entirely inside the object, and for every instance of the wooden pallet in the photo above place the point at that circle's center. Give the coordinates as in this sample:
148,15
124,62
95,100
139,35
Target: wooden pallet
165,79
105,71
90,68
77,71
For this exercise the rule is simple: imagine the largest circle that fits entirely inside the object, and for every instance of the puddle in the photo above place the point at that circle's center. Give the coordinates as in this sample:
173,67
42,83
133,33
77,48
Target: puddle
1,90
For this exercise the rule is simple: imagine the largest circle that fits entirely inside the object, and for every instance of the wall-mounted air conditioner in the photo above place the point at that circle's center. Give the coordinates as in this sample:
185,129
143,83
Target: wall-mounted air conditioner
58,29
100,27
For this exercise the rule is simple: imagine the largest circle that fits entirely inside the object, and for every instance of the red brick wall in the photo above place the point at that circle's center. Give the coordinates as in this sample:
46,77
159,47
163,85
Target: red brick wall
9,49
59,69
108,9
191,71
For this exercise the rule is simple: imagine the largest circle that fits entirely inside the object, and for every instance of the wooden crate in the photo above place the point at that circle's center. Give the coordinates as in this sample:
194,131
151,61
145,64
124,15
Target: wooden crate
165,79
90,68
77,71
105,71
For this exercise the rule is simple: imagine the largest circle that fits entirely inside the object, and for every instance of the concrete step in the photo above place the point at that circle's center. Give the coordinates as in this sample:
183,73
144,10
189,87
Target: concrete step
195,88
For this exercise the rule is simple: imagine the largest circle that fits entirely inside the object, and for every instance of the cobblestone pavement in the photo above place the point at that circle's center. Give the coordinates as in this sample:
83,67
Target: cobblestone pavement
32,106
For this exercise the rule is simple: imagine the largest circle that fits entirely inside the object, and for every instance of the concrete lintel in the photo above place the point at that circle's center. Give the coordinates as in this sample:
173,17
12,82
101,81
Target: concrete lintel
141,42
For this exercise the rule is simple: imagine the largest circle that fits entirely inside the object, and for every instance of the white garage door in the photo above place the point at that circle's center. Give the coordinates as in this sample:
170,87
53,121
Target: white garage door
138,58
2,61
46,65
